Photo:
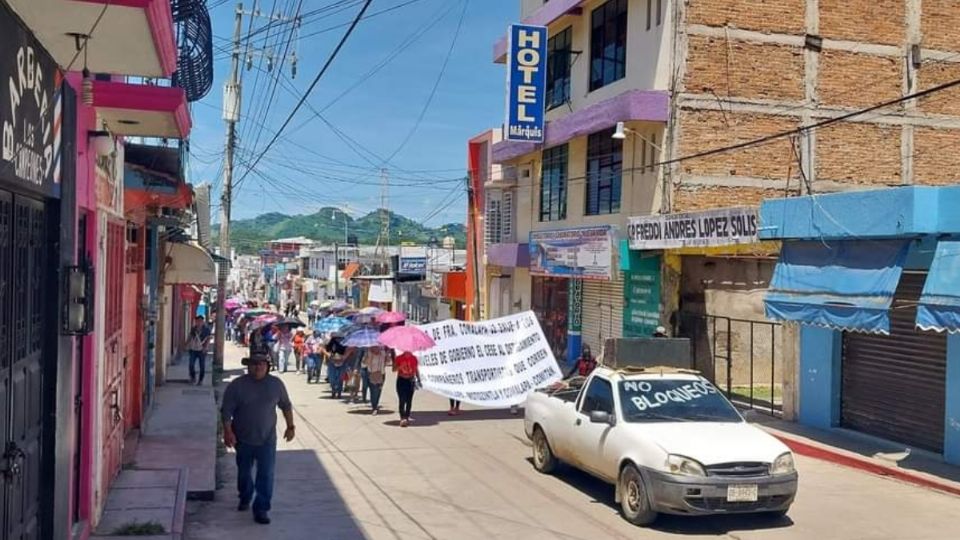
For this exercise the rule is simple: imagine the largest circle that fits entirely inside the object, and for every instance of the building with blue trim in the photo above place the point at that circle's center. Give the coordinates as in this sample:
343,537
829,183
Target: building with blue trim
873,280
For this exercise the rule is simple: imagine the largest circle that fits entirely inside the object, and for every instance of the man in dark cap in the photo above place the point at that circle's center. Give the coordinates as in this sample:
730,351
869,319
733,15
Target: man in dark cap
249,414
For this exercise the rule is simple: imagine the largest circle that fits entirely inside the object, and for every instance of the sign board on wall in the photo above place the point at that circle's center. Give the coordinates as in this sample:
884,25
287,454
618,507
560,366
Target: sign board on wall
641,295
413,265
724,226
30,109
526,83
585,253
493,363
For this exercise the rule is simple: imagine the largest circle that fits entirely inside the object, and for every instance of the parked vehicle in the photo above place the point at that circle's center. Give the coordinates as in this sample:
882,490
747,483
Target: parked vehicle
666,438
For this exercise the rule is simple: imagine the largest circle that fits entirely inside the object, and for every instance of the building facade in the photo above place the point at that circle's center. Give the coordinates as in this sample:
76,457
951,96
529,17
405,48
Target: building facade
671,122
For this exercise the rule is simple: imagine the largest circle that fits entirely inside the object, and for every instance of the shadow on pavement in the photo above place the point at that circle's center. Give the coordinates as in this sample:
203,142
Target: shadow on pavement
304,496
367,412
603,493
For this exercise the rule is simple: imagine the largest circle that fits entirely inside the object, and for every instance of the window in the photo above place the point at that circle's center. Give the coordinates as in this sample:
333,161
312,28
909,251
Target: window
599,397
553,184
608,43
558,69
604,168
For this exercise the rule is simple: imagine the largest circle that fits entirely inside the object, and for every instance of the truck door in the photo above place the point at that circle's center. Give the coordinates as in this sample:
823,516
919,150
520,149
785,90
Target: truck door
589,442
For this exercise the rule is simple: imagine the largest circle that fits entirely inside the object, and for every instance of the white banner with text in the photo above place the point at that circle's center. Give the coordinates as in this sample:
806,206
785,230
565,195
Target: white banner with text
720,227
493,363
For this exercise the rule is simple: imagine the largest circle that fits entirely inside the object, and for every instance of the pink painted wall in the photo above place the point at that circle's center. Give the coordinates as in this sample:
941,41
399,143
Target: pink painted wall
86,205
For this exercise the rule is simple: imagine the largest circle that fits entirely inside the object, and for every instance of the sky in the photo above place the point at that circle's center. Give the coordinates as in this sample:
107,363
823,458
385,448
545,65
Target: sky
367,117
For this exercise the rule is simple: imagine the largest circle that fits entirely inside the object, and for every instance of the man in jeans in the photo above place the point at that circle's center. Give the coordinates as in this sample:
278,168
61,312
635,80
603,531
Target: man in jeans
249,415
197,343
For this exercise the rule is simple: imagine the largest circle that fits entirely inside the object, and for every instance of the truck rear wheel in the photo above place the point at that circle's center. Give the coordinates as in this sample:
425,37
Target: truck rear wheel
543,458
634,503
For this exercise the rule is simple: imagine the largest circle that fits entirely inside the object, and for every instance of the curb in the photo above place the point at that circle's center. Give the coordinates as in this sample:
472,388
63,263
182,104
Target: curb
869,465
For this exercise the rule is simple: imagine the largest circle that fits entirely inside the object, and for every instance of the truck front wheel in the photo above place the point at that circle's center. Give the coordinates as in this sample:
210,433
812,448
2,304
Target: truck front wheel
634,503
543,458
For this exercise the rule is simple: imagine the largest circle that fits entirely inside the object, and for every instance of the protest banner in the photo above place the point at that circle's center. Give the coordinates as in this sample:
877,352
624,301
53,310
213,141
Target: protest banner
493,363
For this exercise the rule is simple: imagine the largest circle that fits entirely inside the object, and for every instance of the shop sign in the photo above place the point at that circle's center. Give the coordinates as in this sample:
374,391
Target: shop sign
413,265
585,253
30,108
575,306
526,83
721,227
641,295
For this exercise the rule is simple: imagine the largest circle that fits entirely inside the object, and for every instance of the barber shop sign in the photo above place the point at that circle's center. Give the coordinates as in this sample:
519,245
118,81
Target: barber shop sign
30,110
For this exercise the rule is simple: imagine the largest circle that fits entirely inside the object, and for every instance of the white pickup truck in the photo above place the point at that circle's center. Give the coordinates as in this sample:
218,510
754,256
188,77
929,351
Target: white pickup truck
666,438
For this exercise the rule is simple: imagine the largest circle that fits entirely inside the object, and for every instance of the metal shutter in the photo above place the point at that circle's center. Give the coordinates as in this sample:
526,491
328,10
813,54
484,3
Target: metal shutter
894,386
602,312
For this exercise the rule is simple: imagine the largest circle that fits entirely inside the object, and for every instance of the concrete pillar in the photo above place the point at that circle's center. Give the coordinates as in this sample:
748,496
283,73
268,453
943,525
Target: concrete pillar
951,431
819,393
790,370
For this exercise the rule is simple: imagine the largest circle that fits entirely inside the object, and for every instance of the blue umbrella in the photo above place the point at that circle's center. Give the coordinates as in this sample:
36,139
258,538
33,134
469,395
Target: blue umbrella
365,337
330,324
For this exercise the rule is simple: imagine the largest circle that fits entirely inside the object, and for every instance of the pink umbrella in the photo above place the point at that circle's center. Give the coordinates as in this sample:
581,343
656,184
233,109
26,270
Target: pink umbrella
232,303
407,338
390,317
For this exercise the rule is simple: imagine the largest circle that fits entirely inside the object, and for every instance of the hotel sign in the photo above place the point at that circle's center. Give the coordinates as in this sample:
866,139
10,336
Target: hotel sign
526,83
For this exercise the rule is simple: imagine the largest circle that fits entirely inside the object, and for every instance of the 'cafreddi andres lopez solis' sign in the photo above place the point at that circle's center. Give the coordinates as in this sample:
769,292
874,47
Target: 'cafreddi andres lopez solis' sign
526,83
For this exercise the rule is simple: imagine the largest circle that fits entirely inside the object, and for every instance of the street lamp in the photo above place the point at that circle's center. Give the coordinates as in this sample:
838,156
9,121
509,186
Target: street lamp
620,133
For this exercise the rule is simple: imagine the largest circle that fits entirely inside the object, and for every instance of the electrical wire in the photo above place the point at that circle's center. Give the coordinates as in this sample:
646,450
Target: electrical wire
313,85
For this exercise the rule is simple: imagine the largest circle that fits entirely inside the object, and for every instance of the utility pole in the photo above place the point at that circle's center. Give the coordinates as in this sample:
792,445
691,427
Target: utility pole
474,249
231,114
336,270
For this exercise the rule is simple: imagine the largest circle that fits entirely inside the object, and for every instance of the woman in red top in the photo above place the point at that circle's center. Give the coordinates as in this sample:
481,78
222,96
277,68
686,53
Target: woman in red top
408,374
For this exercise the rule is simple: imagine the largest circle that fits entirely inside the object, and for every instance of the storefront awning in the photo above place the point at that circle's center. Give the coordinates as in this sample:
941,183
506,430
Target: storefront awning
189,264
939,307
847,285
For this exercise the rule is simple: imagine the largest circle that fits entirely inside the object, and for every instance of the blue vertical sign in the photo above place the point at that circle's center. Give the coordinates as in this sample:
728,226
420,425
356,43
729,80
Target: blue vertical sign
526,83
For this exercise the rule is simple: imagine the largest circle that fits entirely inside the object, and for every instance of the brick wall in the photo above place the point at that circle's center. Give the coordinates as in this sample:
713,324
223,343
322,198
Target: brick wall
936,160
689,198
784,16
859,154
748,70
940,25
857,80
874,21
945,101
705,130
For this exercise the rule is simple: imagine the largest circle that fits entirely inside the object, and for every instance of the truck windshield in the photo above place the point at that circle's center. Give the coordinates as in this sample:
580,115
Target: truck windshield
674,400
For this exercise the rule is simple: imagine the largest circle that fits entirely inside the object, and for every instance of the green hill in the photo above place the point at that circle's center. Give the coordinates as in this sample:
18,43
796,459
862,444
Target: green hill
327,226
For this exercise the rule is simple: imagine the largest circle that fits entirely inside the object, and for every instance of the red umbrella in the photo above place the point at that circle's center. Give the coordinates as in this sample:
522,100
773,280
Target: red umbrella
390,317
407,338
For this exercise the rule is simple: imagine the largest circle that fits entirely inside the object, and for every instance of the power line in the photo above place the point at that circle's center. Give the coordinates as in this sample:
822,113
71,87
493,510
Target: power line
306,94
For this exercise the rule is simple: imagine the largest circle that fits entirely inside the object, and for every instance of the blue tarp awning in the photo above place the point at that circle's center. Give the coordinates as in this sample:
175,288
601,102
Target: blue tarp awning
939,307
847,285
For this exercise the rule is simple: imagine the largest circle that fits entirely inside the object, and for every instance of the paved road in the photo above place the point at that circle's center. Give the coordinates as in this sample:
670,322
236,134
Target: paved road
352,475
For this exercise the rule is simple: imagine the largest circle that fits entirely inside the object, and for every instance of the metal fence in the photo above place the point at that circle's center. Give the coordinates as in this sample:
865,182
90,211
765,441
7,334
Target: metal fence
742,357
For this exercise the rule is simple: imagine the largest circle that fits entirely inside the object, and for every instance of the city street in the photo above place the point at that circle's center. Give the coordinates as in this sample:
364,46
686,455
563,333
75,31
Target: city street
352,475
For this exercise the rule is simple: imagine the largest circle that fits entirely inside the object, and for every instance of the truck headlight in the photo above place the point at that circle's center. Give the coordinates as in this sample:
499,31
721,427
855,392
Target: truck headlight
684,465
783,465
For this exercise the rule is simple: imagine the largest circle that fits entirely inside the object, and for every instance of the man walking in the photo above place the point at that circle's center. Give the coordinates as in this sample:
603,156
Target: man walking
249,414
197,343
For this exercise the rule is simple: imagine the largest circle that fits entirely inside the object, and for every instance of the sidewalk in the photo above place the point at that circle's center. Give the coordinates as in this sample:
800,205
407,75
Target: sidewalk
175,459
866,453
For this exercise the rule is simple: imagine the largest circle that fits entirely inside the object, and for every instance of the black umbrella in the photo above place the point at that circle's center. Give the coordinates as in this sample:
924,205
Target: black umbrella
291,322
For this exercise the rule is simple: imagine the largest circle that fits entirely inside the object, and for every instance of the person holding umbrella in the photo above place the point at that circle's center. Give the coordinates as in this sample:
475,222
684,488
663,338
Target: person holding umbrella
334,353
284,346
375,362
406,366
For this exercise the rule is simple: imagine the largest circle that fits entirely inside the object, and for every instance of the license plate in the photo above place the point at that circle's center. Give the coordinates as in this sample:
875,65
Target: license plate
742,493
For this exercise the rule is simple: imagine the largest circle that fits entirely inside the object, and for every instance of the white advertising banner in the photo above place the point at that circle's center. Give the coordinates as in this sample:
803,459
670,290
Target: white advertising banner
493,363
721,227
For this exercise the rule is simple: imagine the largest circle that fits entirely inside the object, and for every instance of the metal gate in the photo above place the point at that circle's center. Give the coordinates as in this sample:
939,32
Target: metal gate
24,272
894,385
602,312
112,395
133,328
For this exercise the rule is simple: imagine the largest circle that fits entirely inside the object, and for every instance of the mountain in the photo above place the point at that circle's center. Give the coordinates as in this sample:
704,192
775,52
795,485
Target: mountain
327,226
